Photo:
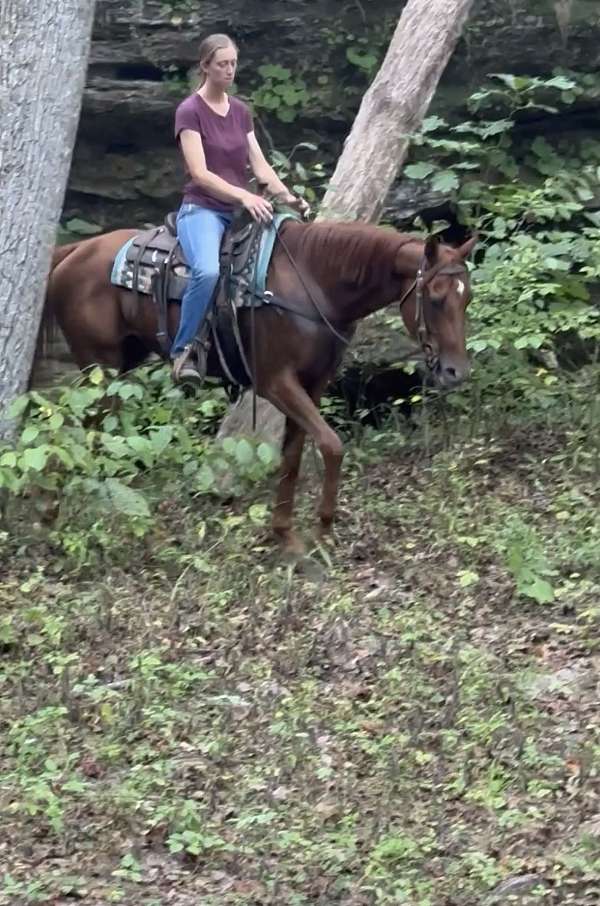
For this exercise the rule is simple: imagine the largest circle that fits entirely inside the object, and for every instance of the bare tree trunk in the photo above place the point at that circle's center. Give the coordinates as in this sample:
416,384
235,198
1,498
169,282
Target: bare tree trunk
393,108
44,48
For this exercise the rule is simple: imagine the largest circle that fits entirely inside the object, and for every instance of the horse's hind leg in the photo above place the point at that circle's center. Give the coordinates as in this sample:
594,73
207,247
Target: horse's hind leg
134,353
86,350
86,354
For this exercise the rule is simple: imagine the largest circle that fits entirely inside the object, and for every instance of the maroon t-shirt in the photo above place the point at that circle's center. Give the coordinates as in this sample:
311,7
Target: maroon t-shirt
225,142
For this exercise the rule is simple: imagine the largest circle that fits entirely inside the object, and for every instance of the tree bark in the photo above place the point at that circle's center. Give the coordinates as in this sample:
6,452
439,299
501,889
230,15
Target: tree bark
44,48
393,108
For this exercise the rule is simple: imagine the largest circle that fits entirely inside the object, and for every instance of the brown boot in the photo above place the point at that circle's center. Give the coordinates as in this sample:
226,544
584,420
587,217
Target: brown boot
185,371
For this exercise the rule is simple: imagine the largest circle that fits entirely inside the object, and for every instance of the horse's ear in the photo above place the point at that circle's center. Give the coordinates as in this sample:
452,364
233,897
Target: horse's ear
465,250
430,252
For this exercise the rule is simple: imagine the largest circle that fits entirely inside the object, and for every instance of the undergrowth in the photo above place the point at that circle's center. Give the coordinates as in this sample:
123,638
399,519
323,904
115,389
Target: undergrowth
405,717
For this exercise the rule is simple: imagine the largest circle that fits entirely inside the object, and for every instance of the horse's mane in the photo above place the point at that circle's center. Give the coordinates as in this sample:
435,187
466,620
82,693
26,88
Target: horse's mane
357,250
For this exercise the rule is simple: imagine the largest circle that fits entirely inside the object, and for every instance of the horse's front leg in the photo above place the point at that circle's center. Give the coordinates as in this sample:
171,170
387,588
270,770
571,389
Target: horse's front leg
291,457
291,398
332,461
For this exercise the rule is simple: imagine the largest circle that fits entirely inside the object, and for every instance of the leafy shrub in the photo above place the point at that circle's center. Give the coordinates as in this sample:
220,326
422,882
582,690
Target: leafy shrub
98,455
532,203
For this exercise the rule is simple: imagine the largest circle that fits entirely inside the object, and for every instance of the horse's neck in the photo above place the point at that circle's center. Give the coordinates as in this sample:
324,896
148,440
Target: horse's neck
349,298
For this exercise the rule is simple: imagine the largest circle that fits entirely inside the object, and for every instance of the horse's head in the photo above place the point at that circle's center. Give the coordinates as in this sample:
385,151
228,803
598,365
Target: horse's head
434,309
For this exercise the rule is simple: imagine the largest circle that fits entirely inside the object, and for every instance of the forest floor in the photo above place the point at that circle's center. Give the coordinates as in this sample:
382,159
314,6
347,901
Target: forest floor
407,716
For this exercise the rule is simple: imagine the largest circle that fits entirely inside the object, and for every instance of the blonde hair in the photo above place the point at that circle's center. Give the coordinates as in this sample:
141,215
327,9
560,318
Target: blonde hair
208,49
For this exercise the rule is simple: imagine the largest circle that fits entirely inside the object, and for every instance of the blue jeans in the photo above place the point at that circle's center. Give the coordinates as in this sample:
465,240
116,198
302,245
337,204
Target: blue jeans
199,231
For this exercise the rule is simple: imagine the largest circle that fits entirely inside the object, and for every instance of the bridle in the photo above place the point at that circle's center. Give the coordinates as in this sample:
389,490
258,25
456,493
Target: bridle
419,285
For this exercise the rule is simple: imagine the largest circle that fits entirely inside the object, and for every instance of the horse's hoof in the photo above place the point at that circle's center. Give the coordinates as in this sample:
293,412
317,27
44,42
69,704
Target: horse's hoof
291,544
325,533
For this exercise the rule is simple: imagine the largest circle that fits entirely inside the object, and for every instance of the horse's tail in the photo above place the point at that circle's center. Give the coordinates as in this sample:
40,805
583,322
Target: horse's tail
48,325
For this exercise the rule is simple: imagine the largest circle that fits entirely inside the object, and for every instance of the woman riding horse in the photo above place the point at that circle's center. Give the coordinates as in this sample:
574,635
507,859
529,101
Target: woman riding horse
216,136
327,277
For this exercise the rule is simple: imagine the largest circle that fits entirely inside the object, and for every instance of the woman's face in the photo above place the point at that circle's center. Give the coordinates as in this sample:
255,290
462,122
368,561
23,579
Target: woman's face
220,70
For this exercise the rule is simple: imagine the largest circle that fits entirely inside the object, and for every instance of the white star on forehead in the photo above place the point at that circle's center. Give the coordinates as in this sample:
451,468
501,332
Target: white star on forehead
461,287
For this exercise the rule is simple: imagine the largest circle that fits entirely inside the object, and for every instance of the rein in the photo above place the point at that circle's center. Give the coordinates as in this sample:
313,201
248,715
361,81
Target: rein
322,315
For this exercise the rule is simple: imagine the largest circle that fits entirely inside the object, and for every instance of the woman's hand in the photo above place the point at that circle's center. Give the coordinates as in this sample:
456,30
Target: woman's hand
296,201
258,207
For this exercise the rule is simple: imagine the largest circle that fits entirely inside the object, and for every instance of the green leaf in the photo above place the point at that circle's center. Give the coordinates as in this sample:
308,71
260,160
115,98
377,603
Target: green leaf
7,631
432,123
258,513
445,181
365,61
542,148
529,341
39,399
209,407
56,421
18,406
274,71
127,391
29,434
229,445
34,458
244,452
96,375
175,845
126,500
8,459
279,159
205,478
160,438
139,444
286,114
115,445
560,82
419,171
496,127
267,454
539,589
110,423
64,456
500,227
467,577
477,345
517,83
82,227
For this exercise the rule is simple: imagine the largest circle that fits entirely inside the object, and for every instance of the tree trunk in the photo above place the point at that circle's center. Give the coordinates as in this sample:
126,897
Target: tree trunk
44,48
393,108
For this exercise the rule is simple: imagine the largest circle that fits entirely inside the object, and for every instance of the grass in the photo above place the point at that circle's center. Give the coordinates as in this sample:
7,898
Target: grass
409,717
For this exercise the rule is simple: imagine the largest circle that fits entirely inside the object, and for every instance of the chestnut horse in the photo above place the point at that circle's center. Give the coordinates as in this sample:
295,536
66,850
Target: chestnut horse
329,275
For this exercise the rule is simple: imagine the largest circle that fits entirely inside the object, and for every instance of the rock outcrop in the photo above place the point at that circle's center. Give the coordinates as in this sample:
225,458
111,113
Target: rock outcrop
125,168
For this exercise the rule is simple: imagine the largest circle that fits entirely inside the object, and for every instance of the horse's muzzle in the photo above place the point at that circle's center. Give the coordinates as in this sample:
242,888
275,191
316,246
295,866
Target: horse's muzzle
451,373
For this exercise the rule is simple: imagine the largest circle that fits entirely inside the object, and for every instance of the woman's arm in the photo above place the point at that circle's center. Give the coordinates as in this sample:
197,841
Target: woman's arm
264,172
193,151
